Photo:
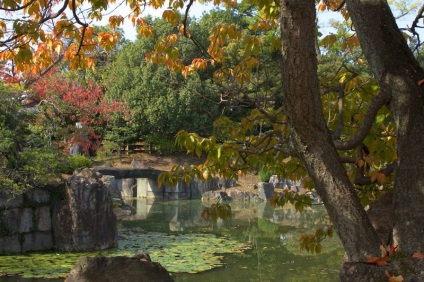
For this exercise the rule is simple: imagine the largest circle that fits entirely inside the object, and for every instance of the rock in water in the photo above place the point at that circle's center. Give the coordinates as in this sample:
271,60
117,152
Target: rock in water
84,220
118,269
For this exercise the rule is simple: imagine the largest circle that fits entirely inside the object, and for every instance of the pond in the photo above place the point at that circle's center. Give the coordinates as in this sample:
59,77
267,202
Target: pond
259,244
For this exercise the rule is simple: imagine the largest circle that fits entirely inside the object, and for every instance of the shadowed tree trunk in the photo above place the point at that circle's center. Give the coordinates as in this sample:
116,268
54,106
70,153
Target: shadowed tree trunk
397,73
312,139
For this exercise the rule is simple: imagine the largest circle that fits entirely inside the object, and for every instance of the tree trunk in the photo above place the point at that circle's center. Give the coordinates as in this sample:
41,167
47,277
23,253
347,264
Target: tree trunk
310,135
397,73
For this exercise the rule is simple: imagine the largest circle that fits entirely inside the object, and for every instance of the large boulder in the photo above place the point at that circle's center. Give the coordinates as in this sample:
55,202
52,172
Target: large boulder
110,183
243,196
216,197
84,220
129,188
118,269
265,190
199,187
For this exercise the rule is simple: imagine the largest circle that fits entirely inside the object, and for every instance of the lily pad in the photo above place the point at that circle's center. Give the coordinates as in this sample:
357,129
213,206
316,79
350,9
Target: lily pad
190,253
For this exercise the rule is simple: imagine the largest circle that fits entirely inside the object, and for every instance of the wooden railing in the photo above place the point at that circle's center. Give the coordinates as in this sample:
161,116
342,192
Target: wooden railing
140,146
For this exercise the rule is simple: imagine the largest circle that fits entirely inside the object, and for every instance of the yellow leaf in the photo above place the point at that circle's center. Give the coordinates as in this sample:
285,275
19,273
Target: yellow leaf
398,278
206,174
381,178
373,175
329,40
360,163
369,160
383,251
198,151
322,7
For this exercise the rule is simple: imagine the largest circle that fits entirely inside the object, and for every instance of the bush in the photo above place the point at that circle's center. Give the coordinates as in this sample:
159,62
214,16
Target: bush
78,161
264,174
162,145
35,167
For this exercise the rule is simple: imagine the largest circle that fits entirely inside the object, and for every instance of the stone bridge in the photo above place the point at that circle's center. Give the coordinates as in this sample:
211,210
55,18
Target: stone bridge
142,183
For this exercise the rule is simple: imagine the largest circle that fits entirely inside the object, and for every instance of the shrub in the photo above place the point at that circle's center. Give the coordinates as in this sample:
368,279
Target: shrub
264,174
162,145
78,161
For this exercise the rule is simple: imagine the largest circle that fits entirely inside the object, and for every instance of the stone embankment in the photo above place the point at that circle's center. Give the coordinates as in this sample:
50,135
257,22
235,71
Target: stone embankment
25,222
77,217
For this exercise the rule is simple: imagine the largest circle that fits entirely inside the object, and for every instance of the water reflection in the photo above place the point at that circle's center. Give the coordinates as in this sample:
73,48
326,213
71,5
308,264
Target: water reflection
185,214
272,233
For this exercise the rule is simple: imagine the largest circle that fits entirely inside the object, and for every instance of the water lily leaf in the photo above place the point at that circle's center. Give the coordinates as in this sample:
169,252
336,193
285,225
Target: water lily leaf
191,253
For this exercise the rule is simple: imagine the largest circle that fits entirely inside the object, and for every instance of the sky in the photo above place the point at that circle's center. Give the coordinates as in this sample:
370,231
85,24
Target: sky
196,10
324,18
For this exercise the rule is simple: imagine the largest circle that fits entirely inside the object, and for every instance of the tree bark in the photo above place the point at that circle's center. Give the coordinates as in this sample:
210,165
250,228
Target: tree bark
312,139
398,73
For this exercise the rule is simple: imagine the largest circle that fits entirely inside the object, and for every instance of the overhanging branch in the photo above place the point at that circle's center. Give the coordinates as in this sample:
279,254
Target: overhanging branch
376,104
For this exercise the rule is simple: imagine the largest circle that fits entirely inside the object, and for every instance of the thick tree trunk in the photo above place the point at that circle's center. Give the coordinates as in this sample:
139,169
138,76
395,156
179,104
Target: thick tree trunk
311,137
397,73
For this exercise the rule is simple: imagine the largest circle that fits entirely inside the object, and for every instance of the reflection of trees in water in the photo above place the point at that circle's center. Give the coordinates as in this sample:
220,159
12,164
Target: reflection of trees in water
273,234
166,216
184,215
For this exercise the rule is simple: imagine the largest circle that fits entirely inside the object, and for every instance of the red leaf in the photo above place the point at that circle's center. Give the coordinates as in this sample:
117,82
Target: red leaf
383,261
392,249
418,255
420,82
378,261
372,260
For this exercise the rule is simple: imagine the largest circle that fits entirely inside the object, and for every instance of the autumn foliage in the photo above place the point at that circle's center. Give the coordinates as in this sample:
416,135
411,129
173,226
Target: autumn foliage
65,102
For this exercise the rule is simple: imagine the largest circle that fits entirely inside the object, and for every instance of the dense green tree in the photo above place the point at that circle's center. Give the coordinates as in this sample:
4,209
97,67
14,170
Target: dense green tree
26,159
161,101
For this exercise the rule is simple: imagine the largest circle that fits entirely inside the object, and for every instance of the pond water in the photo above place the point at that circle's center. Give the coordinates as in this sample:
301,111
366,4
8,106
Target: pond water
259,244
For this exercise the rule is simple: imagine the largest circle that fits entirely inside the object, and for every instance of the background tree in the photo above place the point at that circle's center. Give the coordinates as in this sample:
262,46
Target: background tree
162,102
65,102
26,160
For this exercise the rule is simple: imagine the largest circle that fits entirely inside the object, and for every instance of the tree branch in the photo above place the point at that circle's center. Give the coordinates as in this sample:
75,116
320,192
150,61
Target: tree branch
361,179
340,124
44,72
376,104
18,7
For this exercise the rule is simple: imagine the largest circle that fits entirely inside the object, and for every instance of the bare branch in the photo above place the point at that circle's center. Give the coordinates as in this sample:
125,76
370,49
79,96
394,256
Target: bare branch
74,13
186,18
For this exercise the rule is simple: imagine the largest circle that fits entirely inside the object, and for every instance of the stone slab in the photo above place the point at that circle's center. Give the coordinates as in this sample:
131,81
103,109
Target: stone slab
7,201
37,241
37,197
10,244
17,220
43,219
265,190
